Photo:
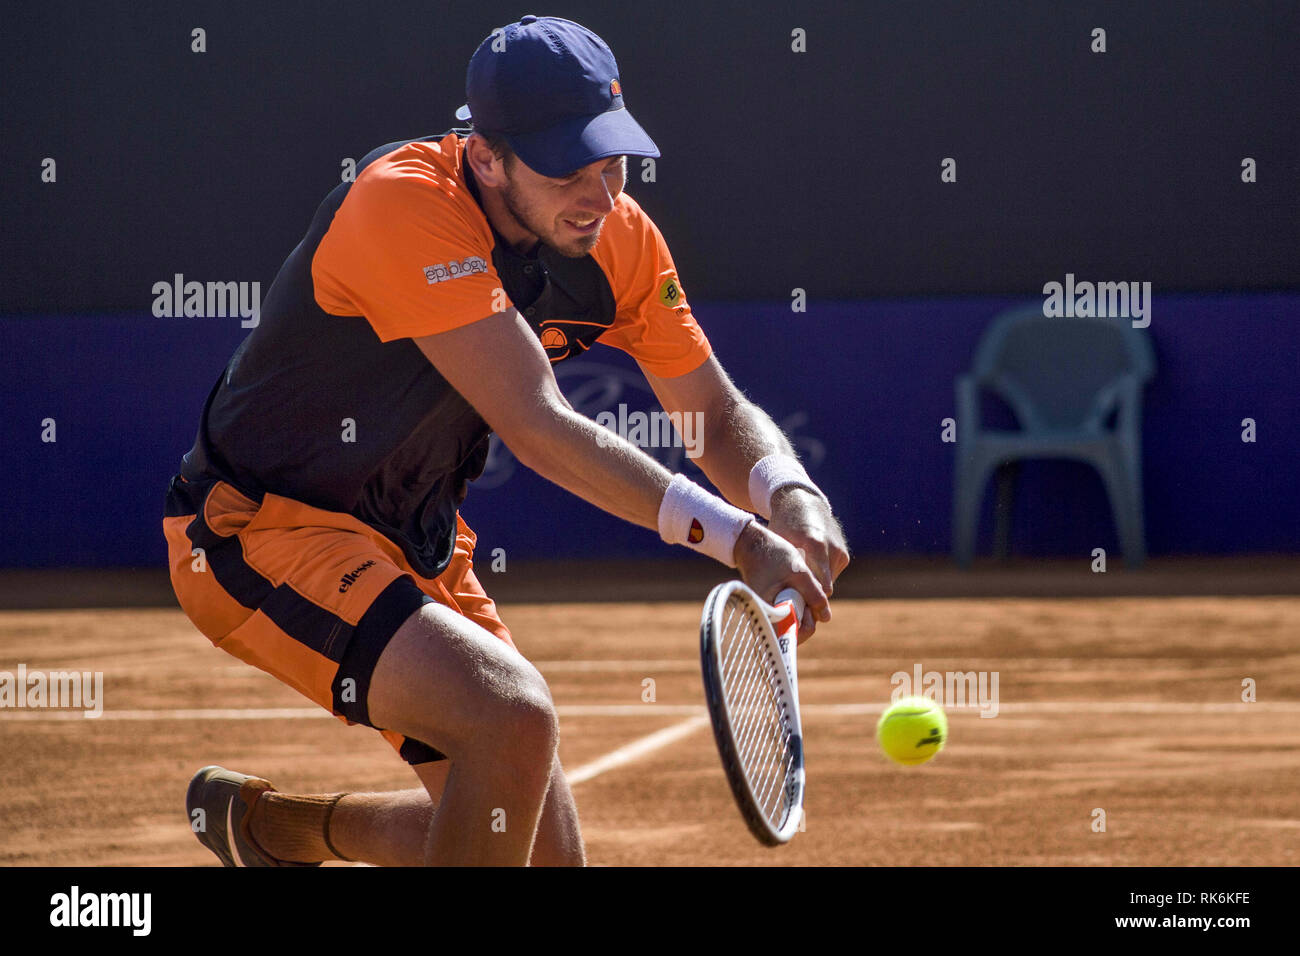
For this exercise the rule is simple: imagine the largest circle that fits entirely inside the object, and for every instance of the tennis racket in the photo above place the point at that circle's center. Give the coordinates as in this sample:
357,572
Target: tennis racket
747,648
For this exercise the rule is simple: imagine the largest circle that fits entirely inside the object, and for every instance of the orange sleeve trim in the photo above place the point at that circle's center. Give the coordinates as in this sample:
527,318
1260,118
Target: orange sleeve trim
391,332
653,320
683,366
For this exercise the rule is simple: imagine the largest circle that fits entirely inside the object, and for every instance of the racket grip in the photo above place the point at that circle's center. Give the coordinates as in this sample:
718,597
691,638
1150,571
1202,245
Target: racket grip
794,597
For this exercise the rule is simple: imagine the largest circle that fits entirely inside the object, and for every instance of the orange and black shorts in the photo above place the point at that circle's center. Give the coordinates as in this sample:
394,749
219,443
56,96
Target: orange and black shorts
310,596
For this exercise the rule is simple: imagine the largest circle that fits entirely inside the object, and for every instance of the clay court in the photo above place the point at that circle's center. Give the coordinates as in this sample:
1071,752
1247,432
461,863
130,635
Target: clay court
1127,702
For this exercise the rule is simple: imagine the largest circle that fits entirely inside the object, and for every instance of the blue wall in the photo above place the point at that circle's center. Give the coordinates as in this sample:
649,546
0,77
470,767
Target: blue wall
862,386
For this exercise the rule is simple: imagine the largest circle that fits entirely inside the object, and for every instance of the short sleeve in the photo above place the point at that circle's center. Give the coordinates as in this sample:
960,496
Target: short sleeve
653,321
409,250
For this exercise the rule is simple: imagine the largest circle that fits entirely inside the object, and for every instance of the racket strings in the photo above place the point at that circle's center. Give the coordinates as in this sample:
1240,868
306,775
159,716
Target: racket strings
765,729
758,707
744,677
755,692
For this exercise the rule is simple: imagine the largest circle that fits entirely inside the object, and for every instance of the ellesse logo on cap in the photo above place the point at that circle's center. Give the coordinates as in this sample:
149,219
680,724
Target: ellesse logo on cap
696,534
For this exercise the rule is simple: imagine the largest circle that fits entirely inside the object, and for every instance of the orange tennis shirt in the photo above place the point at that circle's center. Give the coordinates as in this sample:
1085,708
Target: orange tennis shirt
328,400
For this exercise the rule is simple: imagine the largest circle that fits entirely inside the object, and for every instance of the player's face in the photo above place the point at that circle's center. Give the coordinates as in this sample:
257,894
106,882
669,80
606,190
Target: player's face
565,213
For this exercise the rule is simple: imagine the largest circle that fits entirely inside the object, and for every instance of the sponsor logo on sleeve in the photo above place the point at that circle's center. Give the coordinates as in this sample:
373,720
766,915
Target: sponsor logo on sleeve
670,293
446,271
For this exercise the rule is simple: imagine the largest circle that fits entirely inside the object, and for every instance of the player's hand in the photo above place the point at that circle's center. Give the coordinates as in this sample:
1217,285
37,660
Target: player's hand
805,520
769,564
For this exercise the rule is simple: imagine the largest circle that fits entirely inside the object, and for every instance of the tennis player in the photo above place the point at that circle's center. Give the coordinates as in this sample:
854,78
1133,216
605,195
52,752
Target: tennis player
314,530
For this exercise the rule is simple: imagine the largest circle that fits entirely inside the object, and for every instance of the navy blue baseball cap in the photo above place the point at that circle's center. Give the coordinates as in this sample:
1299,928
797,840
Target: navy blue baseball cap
550,88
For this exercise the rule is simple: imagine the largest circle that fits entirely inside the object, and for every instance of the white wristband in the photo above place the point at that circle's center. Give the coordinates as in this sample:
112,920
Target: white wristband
691,516
773,472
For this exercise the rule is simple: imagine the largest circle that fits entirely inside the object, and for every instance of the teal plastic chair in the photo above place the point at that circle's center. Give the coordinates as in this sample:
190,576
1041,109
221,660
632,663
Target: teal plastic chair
1075,387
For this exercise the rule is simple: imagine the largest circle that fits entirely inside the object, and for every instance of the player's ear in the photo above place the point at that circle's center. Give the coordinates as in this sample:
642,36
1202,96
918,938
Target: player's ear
489,168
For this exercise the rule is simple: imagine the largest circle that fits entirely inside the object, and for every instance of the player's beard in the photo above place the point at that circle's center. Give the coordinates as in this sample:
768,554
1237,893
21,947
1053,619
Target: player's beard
545,230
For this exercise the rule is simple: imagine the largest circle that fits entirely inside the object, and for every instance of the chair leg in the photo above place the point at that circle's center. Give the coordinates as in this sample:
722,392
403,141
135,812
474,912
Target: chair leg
1005,475
1135,552
967,496
1126,507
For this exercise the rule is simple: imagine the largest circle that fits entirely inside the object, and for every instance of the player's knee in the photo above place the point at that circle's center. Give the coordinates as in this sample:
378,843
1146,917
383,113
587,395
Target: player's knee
525,722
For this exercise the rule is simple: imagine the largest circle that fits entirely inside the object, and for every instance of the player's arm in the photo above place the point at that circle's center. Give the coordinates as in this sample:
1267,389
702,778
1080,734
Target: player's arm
737,435
498,366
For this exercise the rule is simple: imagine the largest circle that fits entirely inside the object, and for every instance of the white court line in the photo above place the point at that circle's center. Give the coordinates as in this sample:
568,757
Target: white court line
1148,707
222,713
678,710
316,713
662,738
661,665
637,748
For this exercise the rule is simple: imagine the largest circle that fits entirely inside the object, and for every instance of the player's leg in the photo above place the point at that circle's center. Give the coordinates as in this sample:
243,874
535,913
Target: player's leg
390,828
559,838
449,683
292,636
446,682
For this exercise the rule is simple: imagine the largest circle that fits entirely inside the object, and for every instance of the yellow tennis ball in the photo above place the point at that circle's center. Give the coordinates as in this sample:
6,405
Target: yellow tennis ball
912,730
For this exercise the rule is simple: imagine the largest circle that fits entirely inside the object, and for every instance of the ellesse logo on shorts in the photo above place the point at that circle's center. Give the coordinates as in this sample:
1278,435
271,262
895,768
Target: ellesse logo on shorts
350,578
446,271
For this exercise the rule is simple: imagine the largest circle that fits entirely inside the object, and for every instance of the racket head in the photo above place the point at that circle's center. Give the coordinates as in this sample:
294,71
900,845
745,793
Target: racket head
753,701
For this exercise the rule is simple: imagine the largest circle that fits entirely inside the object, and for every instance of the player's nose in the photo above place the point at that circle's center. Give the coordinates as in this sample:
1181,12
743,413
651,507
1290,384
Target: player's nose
596,198
599,203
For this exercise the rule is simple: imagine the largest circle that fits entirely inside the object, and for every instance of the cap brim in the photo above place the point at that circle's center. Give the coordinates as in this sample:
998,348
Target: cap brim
574,143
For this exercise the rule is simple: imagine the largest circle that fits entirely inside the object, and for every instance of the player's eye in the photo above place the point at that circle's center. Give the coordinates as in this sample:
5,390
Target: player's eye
614,168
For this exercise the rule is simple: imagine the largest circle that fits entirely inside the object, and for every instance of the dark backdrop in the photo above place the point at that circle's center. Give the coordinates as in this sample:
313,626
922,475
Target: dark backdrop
817,170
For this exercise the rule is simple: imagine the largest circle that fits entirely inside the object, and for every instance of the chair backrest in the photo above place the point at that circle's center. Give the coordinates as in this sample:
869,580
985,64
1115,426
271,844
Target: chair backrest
1060,372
